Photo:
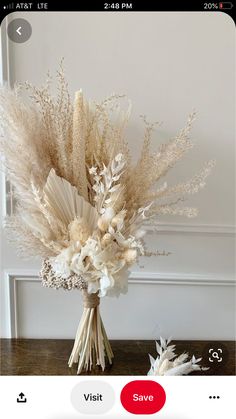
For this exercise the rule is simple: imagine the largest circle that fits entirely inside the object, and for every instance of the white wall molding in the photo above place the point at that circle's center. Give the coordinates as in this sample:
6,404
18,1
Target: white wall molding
142,277
179,279
5,53
179,228
11,311
13,276
3,194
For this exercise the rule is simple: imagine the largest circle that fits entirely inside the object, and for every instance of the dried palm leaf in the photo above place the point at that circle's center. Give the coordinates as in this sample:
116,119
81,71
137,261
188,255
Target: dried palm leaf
66,203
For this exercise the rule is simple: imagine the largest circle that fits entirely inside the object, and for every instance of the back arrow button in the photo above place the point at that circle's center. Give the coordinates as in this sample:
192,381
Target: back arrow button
19,30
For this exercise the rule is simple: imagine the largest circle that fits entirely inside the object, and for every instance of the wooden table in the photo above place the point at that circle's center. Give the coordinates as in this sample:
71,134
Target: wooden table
49,357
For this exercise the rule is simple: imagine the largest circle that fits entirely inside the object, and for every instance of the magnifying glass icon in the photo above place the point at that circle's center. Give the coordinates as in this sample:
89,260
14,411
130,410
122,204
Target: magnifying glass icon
215,355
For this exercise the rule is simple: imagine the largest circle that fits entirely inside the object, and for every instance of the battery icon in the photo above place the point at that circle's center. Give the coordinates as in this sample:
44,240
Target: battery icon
225,5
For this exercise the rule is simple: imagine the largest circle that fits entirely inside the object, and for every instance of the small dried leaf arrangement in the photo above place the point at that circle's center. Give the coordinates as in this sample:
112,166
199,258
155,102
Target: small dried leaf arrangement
81,203
169,363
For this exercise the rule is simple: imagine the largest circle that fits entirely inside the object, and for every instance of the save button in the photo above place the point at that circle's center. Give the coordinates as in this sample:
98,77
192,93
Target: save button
143,397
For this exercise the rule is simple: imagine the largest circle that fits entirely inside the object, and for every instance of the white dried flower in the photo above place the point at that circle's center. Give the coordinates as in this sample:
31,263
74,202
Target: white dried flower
118,220
143,210
130,256
103,224
109,213
79,230
93,170
120,282
169,363
104,220
106,239
106,282
139,234
61,263
119,157
80,262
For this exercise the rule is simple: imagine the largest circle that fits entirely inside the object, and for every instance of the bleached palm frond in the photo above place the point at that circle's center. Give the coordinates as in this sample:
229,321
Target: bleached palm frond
66,203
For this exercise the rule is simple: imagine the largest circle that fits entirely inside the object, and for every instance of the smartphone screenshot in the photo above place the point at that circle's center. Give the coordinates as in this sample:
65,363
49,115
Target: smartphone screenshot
117,210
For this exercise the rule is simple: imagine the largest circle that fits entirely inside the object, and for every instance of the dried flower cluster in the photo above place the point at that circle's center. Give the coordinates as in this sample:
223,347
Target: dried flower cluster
169,363
80,200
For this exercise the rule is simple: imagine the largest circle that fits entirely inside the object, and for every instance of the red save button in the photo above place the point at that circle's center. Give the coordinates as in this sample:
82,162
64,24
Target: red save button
143,397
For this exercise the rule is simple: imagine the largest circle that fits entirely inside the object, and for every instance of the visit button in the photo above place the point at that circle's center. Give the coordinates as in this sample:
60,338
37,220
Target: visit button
142,397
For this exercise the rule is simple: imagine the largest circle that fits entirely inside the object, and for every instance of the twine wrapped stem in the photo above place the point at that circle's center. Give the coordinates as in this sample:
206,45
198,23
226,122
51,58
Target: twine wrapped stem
91,343
90,300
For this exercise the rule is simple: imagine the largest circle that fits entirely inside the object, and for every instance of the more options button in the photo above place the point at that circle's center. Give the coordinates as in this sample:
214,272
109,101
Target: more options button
143,397
92,397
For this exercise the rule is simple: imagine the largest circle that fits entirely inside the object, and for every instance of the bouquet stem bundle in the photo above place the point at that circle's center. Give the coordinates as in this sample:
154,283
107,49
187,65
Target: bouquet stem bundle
91,343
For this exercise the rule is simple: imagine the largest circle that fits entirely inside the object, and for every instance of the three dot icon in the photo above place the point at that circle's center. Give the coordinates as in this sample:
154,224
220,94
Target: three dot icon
214,397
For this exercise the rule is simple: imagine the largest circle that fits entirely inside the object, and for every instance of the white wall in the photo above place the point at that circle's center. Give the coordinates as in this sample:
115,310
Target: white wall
167,64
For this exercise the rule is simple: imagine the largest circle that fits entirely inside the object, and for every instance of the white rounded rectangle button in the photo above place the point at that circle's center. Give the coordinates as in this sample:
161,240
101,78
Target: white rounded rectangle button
93,397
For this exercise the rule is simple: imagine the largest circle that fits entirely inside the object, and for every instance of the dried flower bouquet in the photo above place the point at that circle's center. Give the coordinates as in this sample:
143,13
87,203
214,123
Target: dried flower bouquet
81,203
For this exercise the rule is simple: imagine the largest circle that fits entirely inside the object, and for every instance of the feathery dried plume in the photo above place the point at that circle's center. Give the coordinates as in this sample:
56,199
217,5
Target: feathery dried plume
169,363
67,159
